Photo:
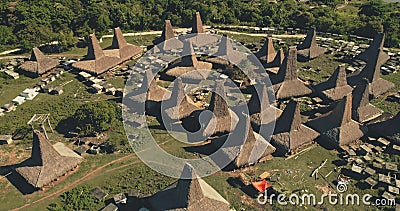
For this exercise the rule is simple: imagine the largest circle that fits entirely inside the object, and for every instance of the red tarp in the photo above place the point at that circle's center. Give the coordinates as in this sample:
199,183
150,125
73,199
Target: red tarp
261,186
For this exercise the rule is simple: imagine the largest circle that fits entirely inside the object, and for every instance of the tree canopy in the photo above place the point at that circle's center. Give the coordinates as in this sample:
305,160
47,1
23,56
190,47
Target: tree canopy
34,22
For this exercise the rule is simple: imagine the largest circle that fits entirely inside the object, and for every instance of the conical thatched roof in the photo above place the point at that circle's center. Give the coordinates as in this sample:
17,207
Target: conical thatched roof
336,87
245,148
289,133
374,48
267,51
261,111
309,48
224,117
189,67
372,72
389,128
197,26
286,81
96,61
188,194
179,105
226,55
363,111
168,37
150,91
125,50
46,164
337,126
38,63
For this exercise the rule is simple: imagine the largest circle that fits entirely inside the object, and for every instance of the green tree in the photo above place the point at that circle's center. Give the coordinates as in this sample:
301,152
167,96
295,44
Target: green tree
96,117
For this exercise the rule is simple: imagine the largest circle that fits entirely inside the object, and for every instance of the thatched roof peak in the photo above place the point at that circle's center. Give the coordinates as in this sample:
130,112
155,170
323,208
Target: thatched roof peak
37,55
218,103
288,69
362,110
118,39
290,118
168,32
197,26
310,40
267,50
259,103
94,49
374,48
189,57
189,190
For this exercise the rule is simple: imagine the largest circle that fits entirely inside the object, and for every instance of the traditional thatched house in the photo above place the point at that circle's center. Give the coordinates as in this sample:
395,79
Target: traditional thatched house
197,27
38,63
226,55
286,81
192,194
189,68
199,38
47,162
363,111
309,48
290,133
374,47
337,126
271,59
179,105
224,120
247,147
96,61
149,93
372,72
262,113
336,87
388,128
123,49
168,39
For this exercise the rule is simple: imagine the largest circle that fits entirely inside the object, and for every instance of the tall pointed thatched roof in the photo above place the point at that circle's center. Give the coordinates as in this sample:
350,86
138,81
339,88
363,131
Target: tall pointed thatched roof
197,26
96,61
38,63
336,87
372,72
46,164
290,133
188,194
337,126
168,37
246,148
374,48
309,48
226,55
363,111
225,120
267,51
189,67
286,81
179,105
260,109
388,128
125,50
150,91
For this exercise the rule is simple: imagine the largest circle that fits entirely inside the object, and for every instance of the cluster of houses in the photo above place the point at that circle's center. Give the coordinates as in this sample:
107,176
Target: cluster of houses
347,121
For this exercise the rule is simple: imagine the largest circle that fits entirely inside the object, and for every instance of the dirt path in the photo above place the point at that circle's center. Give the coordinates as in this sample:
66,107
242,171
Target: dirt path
76,182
